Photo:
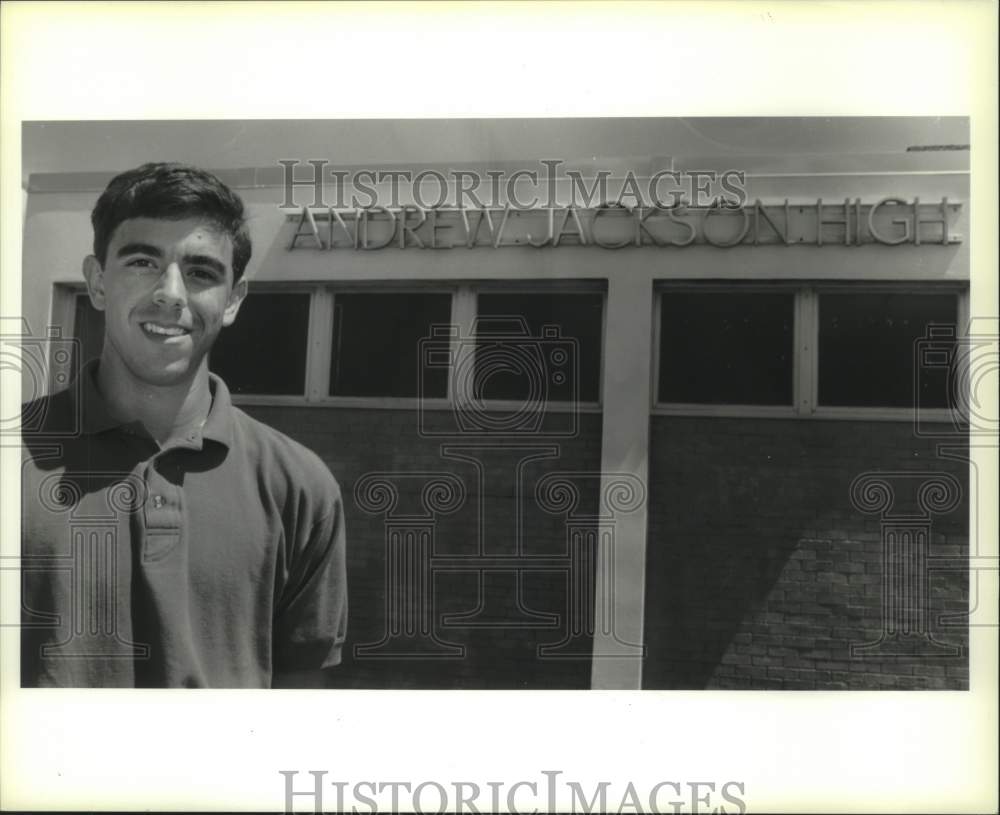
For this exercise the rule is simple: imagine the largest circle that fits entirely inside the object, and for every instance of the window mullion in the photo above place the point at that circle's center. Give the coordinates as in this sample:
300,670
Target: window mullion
654,378
463,316
963,315
64,313
320,345
806,351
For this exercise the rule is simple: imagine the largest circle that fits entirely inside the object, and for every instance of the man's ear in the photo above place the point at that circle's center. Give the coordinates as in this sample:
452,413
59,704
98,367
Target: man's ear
236,296
94,275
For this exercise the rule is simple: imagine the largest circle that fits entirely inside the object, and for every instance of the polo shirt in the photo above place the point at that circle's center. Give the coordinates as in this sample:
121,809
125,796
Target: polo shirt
217,562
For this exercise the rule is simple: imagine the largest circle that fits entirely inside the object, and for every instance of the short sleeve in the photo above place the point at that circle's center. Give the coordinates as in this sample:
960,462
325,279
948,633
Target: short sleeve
311,619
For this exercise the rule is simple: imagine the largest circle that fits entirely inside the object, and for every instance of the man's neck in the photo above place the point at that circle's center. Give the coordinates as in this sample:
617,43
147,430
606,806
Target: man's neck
168,412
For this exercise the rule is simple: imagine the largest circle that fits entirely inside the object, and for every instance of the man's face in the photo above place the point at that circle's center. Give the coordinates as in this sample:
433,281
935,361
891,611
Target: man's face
166,289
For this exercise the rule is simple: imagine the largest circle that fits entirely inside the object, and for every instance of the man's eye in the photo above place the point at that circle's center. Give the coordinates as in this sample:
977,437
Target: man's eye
202,274
141,263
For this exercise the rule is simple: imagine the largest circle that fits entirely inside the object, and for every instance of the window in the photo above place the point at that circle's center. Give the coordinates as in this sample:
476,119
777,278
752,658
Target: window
322,344
88,328
376,338
264,350
724,347
542,345
755,348
825,350
866,348
545,345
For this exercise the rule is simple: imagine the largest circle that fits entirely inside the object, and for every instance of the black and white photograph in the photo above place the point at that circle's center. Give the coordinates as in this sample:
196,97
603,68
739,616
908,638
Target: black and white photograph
585,418
680,421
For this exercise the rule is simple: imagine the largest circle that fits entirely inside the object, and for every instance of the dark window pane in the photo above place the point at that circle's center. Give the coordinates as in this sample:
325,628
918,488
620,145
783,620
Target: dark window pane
88,328
554,349
264,351
867,344
376,342
726,348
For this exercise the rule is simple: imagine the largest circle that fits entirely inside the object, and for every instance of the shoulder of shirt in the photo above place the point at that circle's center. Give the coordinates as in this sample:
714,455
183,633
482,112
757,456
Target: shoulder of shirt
53,413
282,456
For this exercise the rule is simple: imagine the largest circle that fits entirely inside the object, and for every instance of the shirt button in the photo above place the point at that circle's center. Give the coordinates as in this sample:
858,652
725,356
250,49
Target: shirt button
158,501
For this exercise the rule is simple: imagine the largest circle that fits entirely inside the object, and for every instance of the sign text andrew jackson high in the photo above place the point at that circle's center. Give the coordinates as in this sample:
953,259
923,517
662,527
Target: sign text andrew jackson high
890,221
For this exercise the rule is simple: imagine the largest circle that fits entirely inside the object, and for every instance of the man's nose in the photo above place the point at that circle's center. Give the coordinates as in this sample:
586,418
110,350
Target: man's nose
170,289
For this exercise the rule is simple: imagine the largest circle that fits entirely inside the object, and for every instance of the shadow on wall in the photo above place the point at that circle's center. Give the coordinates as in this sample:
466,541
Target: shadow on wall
712,561
761,573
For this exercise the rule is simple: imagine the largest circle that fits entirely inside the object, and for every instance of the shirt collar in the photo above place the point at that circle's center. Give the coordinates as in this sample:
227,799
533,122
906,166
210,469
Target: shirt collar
220,422
94,414
96,418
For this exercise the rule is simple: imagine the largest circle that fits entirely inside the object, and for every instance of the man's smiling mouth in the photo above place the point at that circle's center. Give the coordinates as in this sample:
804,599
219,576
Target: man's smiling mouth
158,330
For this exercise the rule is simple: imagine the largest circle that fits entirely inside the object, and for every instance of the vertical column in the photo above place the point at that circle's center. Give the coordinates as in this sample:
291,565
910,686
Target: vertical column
409,548
905,537
590,557
583,617
96,627
905,580
93,625
620,578
408,564
501,587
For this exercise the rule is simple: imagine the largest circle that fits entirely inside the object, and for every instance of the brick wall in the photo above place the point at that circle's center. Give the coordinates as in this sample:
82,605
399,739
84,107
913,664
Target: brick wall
499,639
761,573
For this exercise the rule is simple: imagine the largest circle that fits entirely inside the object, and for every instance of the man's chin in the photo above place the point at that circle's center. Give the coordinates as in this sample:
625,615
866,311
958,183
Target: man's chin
175,373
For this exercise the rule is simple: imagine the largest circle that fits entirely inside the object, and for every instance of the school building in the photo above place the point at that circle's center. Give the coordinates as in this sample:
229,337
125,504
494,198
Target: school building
601,441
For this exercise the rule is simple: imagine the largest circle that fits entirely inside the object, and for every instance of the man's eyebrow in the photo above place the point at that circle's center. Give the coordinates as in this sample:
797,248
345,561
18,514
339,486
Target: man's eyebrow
139,249
153,251
206,260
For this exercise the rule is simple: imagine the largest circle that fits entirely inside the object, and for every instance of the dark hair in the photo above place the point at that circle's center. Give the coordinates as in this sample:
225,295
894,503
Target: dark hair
171,191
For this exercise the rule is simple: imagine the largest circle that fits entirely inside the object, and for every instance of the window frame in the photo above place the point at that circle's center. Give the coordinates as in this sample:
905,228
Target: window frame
805,356
464,302
323,319
464,294
283,398
319,346
703,409
63,318
819,411
540,287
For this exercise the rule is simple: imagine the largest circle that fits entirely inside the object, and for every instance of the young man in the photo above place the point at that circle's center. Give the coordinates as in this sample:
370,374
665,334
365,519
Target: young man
169,539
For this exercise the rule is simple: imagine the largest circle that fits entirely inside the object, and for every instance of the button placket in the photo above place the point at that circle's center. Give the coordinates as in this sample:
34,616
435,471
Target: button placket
163,513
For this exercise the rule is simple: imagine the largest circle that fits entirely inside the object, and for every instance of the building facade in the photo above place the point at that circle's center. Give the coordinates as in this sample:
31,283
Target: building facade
590,441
